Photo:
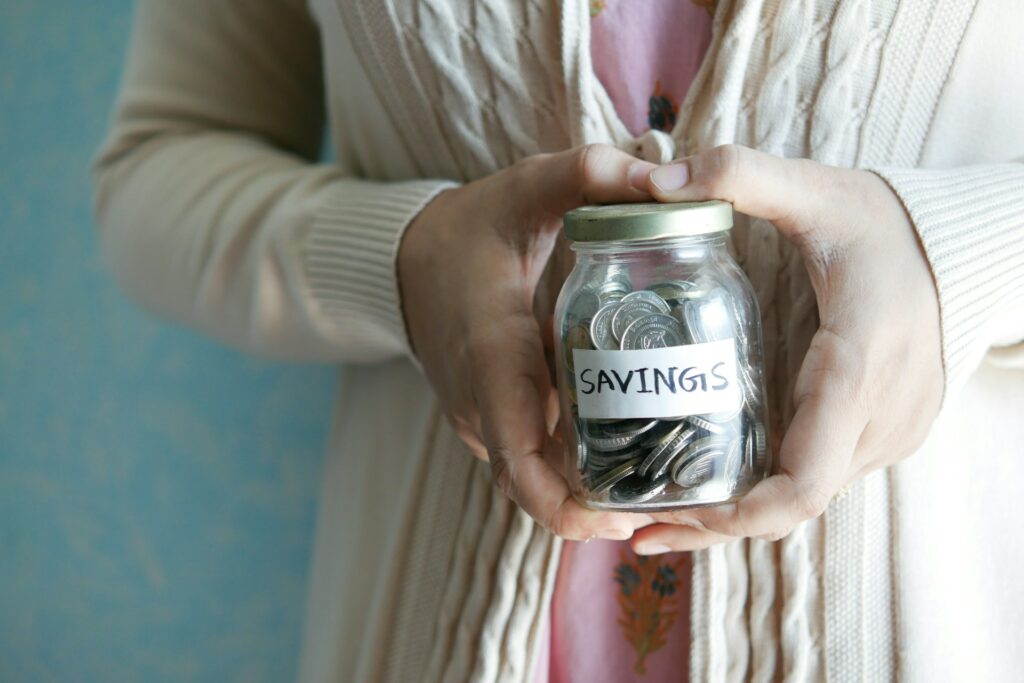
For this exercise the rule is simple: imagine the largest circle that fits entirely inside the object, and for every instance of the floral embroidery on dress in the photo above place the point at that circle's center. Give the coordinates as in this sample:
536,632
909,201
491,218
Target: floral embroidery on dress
661,109
596,6
647,601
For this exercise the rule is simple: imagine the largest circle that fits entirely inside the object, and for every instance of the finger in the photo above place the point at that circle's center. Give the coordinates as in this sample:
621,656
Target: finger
788,192
511,386
591,174
663,538
814,463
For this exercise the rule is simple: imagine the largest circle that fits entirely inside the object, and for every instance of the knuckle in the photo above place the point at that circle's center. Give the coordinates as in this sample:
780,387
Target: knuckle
776,535
725,165
589,158
501,472
736,524
810,502
558,523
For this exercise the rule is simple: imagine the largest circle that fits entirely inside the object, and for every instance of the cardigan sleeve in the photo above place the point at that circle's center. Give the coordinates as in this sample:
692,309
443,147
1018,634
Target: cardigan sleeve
211,208
970,222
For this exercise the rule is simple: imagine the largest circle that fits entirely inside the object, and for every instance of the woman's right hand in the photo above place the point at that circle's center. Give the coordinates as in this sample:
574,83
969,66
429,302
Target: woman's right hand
468,268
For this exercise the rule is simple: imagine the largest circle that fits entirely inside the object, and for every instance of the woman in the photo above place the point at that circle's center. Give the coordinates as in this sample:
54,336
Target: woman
461,132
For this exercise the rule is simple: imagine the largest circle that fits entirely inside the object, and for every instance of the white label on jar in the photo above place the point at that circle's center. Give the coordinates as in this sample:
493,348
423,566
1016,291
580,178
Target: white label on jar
668,382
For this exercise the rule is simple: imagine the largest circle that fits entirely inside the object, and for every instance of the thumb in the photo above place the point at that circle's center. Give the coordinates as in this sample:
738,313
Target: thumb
590,174
787,192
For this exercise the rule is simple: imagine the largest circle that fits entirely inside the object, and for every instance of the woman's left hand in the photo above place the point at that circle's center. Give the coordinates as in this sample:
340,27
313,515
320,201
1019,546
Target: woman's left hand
872,380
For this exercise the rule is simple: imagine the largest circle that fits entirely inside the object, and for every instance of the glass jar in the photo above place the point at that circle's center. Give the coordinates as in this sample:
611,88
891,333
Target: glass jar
659,360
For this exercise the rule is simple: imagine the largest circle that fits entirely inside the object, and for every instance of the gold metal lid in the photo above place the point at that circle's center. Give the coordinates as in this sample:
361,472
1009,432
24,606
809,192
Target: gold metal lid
648,221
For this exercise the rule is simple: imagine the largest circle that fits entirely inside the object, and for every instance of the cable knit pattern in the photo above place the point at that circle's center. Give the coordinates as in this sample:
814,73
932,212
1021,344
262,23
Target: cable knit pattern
763,625
436,56
737,632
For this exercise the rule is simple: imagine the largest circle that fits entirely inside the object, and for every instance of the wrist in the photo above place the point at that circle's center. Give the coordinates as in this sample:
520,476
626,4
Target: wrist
416,251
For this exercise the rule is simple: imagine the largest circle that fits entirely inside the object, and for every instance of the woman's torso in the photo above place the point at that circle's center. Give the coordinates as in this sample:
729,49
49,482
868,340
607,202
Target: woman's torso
475,590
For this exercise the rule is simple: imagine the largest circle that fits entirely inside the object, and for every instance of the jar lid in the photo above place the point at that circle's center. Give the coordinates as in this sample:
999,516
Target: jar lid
648,221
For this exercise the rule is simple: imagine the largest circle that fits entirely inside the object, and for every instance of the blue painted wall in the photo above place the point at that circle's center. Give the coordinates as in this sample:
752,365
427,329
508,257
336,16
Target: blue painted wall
157,492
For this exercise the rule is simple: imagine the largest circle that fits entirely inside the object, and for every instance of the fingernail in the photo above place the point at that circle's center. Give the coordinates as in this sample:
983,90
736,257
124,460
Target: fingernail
670,177
616,534
652,549
638,173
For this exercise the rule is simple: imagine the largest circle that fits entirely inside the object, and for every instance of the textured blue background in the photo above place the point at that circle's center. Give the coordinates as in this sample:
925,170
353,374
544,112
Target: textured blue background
157,492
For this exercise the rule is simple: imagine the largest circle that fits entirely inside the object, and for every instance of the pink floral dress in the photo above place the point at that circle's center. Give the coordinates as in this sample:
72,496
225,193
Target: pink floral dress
617,616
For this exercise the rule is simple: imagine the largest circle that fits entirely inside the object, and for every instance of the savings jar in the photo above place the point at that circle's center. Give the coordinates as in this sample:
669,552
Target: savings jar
659,360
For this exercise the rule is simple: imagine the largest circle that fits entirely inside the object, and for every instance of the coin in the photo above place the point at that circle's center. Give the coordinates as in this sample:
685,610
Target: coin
725,417
667,444
713,449
601,328
635,489
707,319
706,425
612,297
578,337
694,471
581,447
747,384
628,312
677,290
600,460
601,484
583,305
654,331
759,438
648,296
664,458
613,436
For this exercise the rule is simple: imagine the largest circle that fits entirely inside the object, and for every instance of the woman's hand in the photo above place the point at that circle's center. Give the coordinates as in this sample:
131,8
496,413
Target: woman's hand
468,268
871,382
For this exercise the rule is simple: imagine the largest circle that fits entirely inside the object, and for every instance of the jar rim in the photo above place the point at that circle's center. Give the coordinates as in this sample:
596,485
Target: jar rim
646,221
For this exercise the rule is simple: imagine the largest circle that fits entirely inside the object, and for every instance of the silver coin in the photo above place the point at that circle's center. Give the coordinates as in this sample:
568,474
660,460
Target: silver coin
581,449
634,489
583,305
690,472
734,458
613,438
628,312
725,417
749,452
677,448
627,427
666,448
705,424
603,460
577,337
612,297
758,437
677,290
654,331
665,430
601,328
601,484
708,319
649,297
748,385
710,448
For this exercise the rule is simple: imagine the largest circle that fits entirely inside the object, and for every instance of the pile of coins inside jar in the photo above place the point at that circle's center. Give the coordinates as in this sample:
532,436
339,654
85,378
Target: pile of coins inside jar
689,459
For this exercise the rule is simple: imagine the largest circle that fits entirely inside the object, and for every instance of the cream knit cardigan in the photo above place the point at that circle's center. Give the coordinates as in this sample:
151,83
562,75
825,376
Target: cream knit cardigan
214,213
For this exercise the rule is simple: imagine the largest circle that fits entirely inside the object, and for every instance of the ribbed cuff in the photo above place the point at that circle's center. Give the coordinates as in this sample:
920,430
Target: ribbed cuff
349,255
971,224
